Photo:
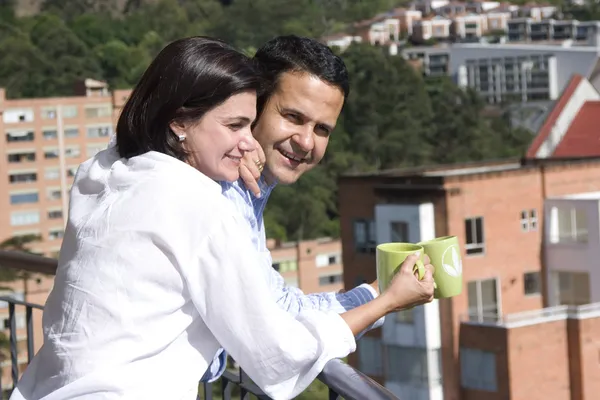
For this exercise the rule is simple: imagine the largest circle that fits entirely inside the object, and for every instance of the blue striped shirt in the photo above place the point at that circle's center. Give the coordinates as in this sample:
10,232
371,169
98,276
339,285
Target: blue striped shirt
289,298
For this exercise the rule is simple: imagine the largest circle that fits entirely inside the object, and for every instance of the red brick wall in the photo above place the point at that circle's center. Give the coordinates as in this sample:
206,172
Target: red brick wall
539,361
586,337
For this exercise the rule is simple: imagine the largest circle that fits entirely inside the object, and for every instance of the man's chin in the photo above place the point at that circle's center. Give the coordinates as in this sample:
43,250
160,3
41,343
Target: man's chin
285,177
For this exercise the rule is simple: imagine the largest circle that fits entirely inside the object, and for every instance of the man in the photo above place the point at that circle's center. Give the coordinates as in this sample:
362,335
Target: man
306,88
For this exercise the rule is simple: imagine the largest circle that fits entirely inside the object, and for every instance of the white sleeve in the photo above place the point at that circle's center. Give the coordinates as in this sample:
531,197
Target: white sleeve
280,353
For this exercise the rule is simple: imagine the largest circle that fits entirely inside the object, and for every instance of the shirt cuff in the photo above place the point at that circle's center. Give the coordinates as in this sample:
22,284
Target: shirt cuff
370,288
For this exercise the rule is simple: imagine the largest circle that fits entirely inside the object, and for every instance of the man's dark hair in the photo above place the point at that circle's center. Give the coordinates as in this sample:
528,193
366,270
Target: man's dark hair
188,78
298,54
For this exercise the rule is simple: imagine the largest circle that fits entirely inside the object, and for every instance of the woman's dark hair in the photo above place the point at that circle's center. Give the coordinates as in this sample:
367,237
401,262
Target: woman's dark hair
186,79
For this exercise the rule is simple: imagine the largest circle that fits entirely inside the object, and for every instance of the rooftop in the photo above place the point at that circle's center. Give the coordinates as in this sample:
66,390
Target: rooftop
582,137
470,168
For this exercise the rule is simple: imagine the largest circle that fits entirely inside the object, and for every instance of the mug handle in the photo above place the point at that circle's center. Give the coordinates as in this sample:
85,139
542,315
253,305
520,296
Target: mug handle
420,268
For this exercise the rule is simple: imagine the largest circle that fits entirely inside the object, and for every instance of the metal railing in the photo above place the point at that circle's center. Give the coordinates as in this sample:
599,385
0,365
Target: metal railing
343,381
533,317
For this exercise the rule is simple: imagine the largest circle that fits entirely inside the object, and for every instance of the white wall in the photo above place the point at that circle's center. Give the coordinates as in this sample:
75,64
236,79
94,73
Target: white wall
425,331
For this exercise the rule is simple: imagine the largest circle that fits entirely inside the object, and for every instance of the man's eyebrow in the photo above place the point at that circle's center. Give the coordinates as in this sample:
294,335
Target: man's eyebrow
304,116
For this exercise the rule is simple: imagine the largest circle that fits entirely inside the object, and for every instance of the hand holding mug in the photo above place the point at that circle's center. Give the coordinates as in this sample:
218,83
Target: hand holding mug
406,290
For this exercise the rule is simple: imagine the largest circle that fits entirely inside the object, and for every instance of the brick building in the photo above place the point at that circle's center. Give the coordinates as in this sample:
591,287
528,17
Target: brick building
530,232
44,141
312,265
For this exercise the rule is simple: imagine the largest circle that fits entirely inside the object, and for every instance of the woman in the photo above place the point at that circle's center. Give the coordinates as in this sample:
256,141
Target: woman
157,270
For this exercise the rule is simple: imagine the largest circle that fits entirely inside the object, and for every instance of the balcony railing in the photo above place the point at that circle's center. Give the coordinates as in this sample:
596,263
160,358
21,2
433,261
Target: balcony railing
533,317
343,381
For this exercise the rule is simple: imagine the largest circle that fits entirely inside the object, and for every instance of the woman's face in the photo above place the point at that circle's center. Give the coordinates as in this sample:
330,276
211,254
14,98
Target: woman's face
218,141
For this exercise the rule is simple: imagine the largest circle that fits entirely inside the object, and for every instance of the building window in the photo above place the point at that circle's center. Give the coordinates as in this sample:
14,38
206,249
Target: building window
568,225
99,131
331,279
478,369
399,231
325,260
49,113
572,288
71,132
416,371
72,152
533,221
532,283
51,173
528,220
483,301
21,157
50,134
55,214
104,110
285,266
13,116
19,218
405,316
524,221
22,177
56,233
54,194
474,234
24,198
50,154
69,111
364,236
370,356
19,136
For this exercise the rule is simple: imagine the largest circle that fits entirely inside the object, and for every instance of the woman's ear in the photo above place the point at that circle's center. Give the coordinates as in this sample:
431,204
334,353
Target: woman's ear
179,130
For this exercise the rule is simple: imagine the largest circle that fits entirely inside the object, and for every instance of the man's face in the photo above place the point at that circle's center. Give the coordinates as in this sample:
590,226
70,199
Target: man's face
295,125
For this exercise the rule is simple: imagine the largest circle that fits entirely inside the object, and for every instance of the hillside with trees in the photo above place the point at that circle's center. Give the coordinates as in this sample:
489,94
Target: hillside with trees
394,117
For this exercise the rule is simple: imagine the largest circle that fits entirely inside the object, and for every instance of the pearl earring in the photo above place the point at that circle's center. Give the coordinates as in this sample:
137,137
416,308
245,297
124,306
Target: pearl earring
181,138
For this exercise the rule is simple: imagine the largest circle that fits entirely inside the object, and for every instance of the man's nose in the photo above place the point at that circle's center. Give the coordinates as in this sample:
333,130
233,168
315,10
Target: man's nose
304,138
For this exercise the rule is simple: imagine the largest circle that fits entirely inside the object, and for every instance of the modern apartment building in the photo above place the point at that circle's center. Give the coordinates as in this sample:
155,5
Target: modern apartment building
520,72
311,265
44,141
548,30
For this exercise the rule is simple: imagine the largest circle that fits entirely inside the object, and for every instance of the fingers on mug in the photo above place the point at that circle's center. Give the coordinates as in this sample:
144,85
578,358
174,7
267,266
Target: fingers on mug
420,269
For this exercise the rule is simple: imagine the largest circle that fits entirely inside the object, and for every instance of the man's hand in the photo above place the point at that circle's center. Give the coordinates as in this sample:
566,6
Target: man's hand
375,283
251,168
406,290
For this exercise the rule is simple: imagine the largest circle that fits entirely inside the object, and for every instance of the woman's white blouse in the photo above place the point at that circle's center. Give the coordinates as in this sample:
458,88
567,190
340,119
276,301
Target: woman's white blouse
156,270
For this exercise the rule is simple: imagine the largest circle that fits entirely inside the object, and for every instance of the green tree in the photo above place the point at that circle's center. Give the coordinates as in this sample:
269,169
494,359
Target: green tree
388,111
72,60
18,243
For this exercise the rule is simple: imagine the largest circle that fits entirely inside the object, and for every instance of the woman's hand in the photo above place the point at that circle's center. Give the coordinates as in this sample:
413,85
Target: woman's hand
251,168
406,290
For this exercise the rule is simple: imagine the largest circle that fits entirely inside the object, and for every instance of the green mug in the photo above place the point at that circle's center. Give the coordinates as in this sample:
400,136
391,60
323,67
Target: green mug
389,256
444,254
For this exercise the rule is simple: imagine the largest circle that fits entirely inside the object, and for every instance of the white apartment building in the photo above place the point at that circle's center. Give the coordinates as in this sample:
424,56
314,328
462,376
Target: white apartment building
520,72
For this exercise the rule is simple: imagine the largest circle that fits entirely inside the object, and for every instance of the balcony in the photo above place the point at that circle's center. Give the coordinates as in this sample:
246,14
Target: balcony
522,355
342,380
572,248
